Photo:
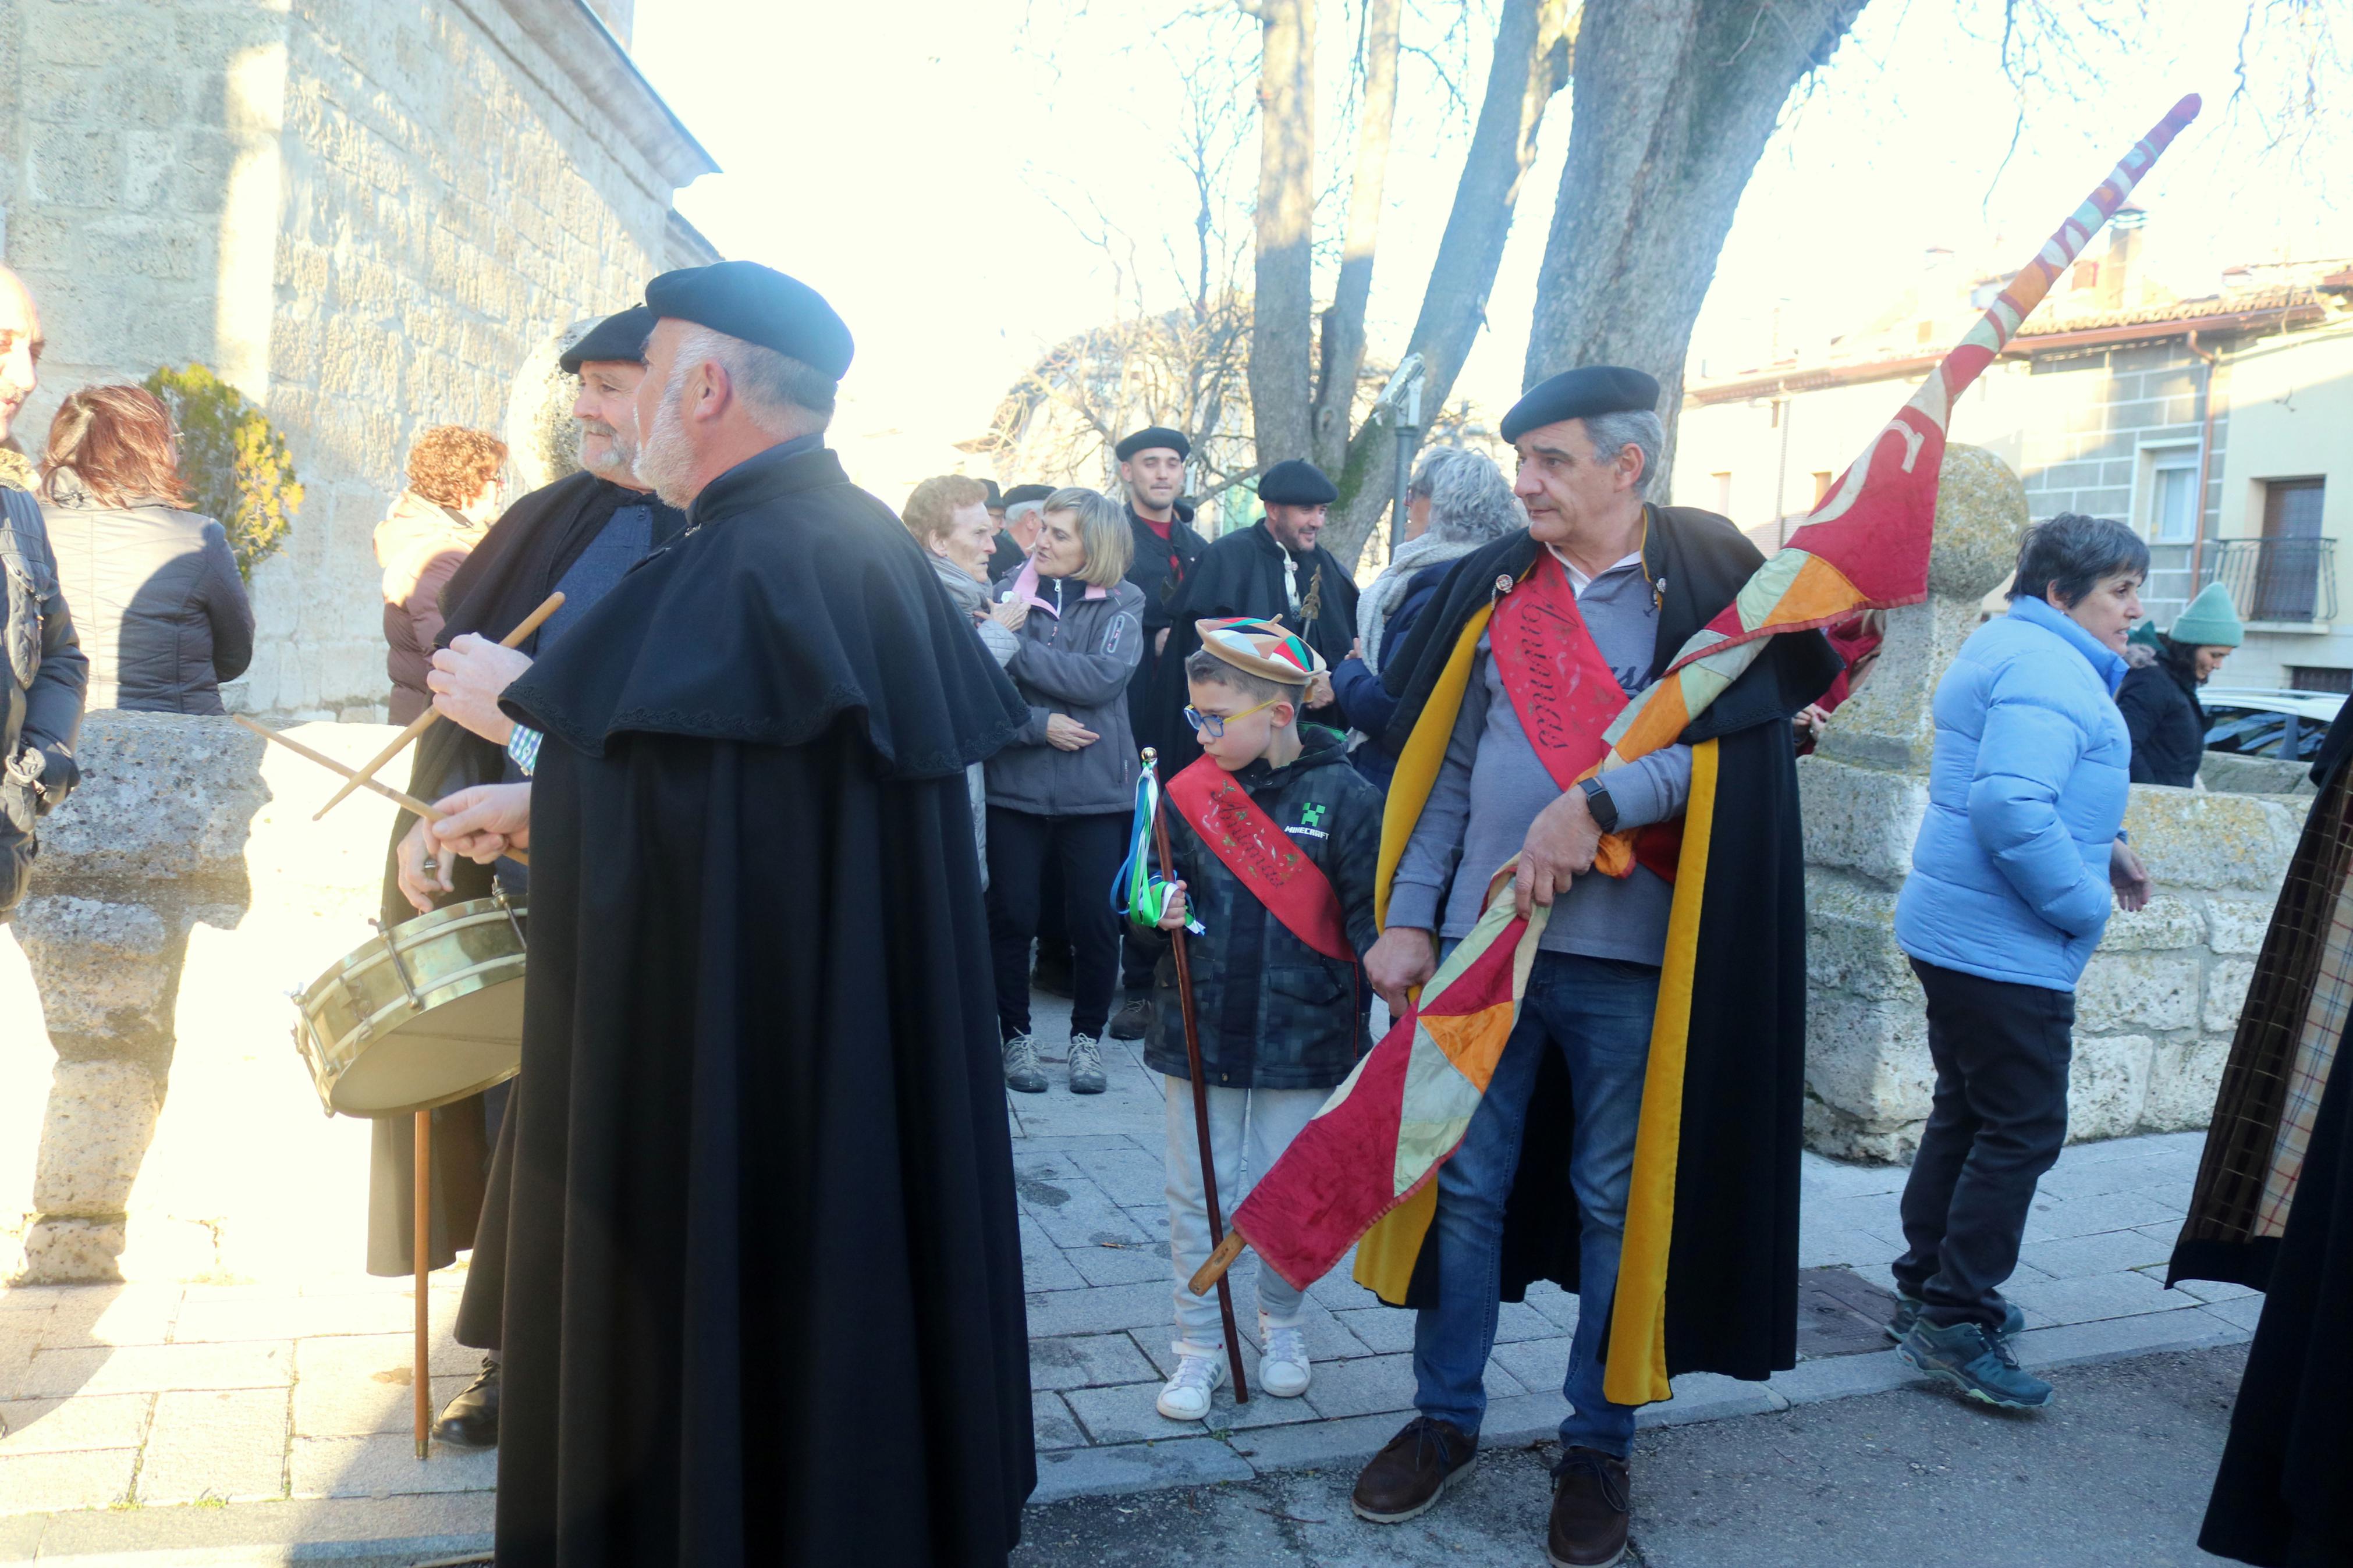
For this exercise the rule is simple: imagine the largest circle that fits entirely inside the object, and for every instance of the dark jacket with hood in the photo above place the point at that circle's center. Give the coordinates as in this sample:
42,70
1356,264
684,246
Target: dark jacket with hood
1272,1012
2160,703
42,675
1364,700
160,609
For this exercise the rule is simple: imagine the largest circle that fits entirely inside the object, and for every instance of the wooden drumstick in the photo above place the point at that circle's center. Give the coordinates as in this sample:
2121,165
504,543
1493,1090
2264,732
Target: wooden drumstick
398,798
424,721
422,1198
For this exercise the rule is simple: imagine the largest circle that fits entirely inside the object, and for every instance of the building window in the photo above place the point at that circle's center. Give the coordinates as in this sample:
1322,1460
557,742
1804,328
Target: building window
2318,678
1722,493
2173,509
1821,485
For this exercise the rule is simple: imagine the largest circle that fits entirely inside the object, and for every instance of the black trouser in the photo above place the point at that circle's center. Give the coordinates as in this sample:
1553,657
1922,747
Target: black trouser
1088,850
2000,1114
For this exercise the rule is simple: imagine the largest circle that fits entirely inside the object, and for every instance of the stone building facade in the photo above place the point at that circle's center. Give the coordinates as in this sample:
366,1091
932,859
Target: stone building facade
368,215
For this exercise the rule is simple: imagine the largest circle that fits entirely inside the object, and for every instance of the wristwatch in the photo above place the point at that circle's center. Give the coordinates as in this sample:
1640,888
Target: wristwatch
1598,802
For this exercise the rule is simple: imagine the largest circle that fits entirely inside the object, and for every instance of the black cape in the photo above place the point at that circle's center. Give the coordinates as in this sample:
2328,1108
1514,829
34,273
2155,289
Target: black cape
764,1293
1151,571
516,565
1731,1265
1242,574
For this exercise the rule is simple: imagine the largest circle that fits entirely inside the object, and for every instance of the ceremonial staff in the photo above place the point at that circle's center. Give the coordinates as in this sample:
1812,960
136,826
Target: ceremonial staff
1200,1089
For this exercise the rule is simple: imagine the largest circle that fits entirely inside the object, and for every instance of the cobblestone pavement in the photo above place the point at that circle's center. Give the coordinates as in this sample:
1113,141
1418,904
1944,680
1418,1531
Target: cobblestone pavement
211,1424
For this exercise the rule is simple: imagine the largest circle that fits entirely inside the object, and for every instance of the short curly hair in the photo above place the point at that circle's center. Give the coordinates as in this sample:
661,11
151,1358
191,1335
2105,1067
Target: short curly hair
449,464
933,507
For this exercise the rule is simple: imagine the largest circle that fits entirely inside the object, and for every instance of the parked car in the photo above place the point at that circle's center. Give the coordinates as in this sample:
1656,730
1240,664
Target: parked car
2288,724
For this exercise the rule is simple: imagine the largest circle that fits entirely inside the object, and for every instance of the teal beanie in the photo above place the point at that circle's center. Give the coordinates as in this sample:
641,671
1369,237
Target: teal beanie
2210,621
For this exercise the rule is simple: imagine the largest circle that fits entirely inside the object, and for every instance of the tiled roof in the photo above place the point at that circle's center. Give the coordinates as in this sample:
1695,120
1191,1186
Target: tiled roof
2237,302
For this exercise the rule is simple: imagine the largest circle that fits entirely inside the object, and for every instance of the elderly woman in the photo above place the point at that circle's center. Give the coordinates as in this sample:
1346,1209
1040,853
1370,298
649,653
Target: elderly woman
2010,884
949,517
1457,500
1063,791
456,489
157,597
2159,697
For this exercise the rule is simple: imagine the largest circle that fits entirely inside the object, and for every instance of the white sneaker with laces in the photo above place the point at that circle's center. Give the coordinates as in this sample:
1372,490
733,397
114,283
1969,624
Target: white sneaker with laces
1284,1369
1186,1397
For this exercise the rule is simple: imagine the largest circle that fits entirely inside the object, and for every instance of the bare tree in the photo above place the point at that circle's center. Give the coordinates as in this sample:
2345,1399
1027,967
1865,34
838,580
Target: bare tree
1283,315
1342,337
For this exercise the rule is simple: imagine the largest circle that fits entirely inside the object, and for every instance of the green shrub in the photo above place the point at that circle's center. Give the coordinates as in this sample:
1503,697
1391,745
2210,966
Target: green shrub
235,461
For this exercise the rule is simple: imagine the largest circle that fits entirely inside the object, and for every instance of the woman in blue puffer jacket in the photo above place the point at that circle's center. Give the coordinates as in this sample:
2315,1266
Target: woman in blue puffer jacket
2012,878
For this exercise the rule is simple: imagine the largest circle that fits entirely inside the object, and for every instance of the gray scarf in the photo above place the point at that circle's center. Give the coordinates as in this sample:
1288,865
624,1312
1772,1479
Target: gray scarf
1387,590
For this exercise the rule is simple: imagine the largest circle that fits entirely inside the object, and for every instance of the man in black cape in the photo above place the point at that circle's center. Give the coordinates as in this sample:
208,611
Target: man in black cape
1273,569
531,549
1666,1004
2273,1209
764,1293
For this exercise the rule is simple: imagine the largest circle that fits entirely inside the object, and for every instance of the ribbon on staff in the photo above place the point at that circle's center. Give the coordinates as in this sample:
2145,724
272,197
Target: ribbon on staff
1136,893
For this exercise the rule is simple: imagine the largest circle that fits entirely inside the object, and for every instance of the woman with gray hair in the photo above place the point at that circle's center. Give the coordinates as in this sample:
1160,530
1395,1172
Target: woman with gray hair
1457,500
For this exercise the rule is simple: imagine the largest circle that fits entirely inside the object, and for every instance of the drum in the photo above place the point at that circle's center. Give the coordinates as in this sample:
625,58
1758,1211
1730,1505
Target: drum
428,1012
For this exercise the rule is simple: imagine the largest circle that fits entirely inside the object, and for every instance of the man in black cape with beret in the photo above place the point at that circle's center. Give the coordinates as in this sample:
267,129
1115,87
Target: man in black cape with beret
1666,1002
1272,569
764,1291
554,537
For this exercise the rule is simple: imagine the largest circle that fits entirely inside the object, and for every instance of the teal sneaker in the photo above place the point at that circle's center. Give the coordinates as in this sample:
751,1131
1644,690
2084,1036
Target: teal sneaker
1907,1312
1981,1365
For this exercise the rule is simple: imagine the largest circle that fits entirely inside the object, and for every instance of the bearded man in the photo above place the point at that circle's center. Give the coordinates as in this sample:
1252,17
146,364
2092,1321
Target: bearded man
763,1295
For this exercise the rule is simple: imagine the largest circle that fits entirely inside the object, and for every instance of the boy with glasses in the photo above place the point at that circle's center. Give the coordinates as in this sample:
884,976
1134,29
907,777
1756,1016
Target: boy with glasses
1275,838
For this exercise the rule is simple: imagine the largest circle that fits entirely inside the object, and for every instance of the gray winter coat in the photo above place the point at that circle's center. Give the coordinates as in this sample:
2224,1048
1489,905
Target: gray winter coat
42,673
161,610
1077,663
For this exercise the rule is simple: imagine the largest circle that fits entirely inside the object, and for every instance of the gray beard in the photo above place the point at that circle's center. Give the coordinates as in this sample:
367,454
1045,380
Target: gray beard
664,462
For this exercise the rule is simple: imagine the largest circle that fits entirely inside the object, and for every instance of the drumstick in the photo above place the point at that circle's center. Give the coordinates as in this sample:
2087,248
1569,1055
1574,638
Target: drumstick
398,798
424,721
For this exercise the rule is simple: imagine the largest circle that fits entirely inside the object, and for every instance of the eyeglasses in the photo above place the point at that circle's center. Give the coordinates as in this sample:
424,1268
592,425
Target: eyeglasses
1213,725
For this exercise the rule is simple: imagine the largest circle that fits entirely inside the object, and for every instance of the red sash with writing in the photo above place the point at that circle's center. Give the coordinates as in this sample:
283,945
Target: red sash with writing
1245,838
1565,694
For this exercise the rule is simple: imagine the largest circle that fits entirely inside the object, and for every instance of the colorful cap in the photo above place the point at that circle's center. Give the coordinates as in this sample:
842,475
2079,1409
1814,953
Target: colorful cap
1261,648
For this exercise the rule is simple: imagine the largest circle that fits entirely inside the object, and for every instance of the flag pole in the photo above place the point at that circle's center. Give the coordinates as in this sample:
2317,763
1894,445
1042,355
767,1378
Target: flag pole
1200,1090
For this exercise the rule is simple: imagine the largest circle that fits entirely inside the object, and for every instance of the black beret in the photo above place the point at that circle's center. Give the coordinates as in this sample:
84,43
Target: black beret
995,496
1296,482
1580,394
1152,435
1020,493
759,305
619,336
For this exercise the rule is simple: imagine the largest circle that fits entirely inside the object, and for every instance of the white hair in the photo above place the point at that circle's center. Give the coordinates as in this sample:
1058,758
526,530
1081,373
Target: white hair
1640,428
779,393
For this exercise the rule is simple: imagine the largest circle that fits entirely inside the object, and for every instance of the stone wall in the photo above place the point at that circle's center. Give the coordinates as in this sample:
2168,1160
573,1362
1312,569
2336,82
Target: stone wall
2156,1007
368,217
157,1121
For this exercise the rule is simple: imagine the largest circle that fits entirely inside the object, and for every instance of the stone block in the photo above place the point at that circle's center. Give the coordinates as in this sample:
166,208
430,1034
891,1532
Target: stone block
2137,990
228,1445
72,1251
104,971
385,1465
2224,841
1135,1468
2236,926
1851,940
2227,980
45,1483
165,799
1869,1059
1860,819
2107,1083
101,1117
1086,1360
2167,921
1843,1134
65,1425
2184,1079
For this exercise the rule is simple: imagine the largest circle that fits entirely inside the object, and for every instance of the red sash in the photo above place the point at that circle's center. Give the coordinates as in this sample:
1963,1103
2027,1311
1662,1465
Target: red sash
1564,695
1242,837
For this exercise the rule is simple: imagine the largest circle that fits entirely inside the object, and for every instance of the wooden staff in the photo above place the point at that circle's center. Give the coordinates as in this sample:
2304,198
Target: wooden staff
423,1258
1200,1089
398,798
424,721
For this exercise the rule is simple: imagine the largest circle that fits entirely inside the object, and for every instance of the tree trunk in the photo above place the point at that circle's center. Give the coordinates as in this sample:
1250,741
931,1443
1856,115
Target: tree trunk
1674,101
1530,64
1280,349
1343,343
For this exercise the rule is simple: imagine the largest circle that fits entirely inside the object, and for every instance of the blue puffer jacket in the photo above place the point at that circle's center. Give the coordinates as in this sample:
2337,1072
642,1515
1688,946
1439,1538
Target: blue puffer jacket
2032,770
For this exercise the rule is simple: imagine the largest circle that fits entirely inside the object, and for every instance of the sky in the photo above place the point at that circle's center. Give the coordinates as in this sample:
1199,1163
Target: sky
942,172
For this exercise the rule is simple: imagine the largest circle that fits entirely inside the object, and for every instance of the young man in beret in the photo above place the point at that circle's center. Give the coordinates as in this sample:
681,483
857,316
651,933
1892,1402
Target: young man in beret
764,1252
1496,752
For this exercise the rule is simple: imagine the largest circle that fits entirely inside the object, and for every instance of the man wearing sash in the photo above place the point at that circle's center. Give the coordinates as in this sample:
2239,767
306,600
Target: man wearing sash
1275,839
1530,649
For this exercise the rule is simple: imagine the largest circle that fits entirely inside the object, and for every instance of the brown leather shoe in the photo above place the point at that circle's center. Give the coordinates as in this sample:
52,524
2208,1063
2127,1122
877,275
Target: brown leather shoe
1404,1478
1592,1502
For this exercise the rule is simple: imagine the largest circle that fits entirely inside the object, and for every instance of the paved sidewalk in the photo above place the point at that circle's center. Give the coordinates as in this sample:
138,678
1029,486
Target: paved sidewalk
218,1425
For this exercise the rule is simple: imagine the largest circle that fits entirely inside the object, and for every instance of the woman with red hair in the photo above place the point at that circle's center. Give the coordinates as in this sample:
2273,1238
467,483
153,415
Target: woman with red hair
156,592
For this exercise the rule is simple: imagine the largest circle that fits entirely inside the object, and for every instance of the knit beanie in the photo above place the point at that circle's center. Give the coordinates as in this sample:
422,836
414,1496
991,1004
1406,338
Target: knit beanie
2210,621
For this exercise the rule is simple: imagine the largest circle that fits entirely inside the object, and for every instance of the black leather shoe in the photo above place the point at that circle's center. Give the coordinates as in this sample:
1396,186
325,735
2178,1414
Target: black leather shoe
471,1420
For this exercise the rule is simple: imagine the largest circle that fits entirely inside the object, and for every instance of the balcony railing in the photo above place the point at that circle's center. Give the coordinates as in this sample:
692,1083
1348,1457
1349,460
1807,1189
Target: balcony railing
2277,579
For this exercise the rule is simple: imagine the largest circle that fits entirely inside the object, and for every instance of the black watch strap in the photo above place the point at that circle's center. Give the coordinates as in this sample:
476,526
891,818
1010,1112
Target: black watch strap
1598,802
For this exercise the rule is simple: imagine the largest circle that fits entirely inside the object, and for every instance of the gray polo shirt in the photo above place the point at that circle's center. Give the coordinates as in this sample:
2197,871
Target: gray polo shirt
1493,784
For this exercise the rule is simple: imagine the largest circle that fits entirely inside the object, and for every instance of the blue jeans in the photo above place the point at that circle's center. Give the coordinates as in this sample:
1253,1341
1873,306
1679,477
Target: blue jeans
1596,1013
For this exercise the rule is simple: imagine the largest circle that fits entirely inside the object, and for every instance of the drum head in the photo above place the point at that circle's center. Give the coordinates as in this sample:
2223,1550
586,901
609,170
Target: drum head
460,1047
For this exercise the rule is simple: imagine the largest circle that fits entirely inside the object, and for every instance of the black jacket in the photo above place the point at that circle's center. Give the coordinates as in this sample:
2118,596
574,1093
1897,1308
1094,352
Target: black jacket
1274,1013
2160,703
1160,568
161,610
42,675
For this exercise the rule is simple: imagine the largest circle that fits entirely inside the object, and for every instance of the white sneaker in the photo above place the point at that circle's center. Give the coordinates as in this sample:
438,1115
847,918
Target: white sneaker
1284,1369
1187,1395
